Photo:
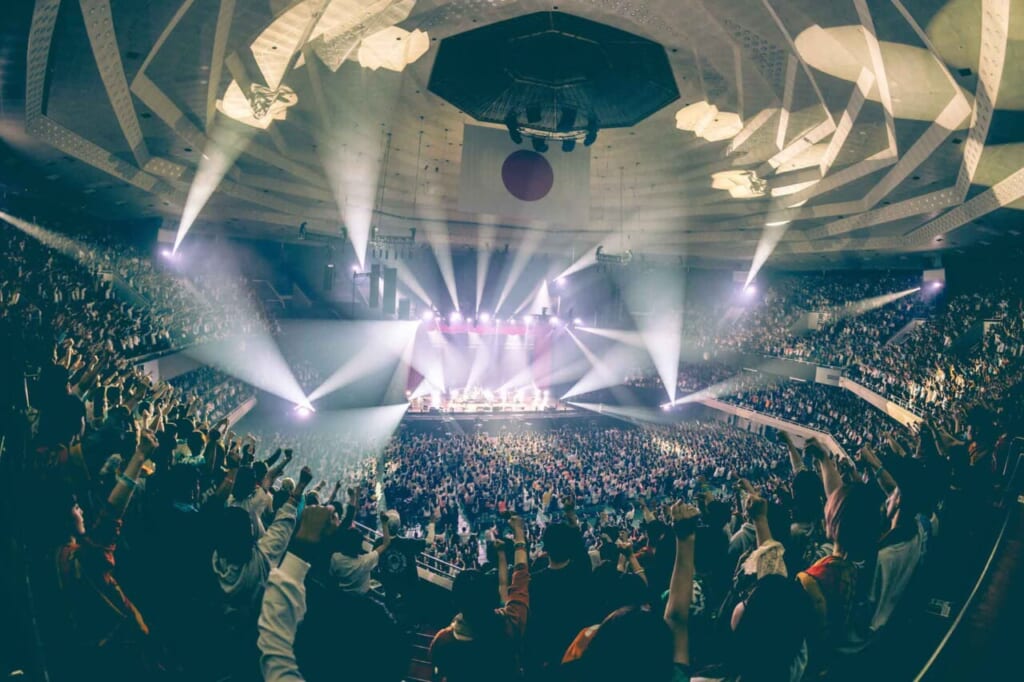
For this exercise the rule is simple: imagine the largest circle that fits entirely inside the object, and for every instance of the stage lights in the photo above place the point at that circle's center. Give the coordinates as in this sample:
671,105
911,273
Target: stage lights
304,411
485,318
428,315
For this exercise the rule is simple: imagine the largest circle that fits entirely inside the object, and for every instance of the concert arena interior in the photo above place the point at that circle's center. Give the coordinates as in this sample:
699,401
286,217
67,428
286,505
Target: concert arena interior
503,340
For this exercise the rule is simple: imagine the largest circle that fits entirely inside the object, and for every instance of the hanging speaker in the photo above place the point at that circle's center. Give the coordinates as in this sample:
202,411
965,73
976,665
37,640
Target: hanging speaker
374,285
403,309
390,290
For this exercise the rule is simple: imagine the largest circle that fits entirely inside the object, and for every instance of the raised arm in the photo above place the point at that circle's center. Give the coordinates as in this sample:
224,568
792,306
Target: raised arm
385,529
499,551
121,495
625,546
276,470
884,478
275,541
757,512
830,476
680,590
796,459
284,602
517,606
350,507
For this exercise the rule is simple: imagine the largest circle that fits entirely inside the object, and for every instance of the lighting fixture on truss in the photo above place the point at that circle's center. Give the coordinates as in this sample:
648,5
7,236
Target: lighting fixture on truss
613,259
388,243
571,129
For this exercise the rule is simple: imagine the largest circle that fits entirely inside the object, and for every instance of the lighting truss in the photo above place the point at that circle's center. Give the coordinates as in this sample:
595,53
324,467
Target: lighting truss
380,241
613,259
383,245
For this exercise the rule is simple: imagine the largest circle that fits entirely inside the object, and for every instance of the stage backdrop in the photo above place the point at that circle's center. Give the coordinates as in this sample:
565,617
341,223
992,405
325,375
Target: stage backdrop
502,178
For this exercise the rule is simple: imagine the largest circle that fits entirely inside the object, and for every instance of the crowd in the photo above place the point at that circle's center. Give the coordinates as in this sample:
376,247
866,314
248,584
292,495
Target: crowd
143,305
217,394
164,545
42,289
930,371
693,376
852,421
573,544
772,322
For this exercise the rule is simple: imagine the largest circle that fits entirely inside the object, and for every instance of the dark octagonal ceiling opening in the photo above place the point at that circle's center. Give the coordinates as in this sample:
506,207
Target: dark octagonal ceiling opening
554,72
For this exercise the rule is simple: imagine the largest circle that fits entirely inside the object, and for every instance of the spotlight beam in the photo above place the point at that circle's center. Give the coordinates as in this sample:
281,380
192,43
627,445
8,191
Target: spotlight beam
485,240
857,308
408,279
226,143
770,237
255,360
375,424
611,370
522,257
385,344
437,238
655,300
633,415
586,260
629,338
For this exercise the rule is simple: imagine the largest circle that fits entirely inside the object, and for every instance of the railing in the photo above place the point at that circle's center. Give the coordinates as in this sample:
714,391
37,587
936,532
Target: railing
779,423
895,410
235,415
896,400
1013,487
438,571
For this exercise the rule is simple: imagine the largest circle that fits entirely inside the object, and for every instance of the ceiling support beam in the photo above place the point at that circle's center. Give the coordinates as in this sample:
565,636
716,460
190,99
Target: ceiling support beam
225,15
99,25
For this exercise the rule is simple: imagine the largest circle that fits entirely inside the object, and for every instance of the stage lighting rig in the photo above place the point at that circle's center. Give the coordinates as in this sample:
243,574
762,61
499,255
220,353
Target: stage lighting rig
613,259
386,243
512,124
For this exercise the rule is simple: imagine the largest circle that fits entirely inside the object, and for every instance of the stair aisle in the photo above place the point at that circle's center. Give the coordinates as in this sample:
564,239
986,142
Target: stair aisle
420,669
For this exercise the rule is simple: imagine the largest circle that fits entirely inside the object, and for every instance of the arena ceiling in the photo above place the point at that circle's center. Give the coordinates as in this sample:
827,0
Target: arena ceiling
840,130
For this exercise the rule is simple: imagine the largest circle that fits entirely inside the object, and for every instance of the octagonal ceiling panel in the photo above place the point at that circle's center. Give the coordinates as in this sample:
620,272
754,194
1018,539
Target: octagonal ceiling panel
540,67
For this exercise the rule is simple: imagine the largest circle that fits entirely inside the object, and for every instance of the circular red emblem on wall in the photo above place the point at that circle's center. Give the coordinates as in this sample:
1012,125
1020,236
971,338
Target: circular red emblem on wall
527,175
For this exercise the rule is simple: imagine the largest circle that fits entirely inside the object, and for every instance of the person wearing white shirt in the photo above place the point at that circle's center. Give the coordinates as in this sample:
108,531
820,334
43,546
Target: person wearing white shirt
351,567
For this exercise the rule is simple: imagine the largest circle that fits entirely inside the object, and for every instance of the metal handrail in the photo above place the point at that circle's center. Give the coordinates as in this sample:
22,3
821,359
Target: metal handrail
425,559
1010,491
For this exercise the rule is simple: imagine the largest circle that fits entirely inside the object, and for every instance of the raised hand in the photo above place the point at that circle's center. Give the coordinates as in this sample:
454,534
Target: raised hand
756,507
681,511
305,476
147,443
815,449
